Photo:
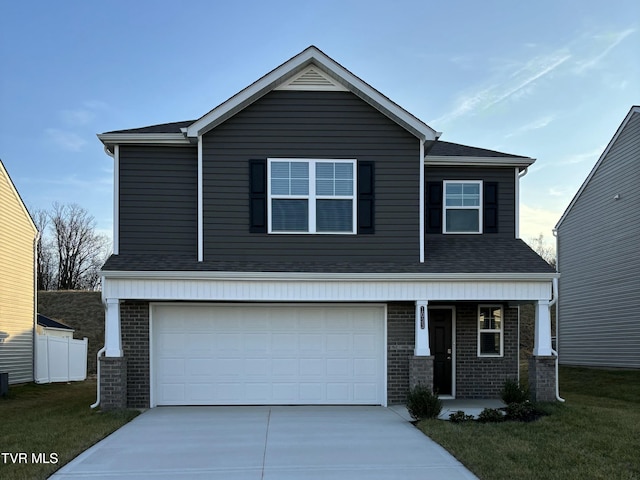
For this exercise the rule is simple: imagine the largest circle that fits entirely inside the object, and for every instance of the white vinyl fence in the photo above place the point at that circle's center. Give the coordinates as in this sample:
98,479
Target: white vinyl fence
60,359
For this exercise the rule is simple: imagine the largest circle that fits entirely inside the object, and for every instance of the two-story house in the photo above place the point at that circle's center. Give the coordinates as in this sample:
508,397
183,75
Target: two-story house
308,241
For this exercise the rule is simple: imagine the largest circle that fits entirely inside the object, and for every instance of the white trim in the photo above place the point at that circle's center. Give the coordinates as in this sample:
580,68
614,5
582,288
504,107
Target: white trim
478,208
421,337
517,206
453,347
200,203
281,74
116,199
293,290
490,330
144,139
634,110
112,337
312,197
383,306
324,277
421,200
462,161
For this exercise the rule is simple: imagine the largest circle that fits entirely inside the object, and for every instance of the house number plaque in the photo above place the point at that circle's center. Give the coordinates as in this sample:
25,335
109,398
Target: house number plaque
421,318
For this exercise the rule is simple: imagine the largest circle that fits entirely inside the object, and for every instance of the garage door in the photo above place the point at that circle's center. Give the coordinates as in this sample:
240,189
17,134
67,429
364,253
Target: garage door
266,354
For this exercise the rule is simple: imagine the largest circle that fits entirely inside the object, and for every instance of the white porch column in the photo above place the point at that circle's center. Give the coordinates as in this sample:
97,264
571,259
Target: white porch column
422,329
542,331
112,342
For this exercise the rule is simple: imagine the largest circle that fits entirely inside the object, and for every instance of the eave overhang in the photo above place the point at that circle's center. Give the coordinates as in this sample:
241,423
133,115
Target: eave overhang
458,161
111,139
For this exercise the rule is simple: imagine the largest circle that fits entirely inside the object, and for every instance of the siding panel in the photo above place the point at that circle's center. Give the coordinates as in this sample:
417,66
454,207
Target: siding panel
158,200
311,125
599,262
17,285
503,176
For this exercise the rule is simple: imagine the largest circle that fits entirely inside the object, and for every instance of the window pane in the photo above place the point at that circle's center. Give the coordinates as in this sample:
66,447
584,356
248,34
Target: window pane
279,186
334,215
344,171
279,169
299,170
489,343
324,187
324,170
463,220
344,187
299,186
289,215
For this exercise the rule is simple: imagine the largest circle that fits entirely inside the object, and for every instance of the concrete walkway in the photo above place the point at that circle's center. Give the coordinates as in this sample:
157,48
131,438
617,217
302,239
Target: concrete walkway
268,443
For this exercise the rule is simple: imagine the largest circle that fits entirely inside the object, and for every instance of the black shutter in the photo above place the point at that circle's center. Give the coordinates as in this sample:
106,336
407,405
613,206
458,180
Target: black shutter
433,207
490,207
258,196
366,198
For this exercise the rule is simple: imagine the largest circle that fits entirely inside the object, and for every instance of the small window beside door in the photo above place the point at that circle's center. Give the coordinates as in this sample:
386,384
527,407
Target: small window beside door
490,331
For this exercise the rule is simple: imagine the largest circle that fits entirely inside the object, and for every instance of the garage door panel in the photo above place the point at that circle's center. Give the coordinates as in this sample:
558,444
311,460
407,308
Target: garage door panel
240,354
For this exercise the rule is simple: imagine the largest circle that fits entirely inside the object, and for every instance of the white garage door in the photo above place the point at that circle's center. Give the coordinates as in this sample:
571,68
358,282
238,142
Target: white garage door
266,354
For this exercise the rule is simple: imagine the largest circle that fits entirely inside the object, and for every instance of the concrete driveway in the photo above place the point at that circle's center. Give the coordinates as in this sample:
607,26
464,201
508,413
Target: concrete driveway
266,443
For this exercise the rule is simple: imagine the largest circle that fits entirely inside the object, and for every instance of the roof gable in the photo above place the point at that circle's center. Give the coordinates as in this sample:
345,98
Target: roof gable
311,65
13,191
635,110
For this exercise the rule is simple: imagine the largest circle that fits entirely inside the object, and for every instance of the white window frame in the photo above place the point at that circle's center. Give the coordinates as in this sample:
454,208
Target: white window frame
312,197
491,330
445,208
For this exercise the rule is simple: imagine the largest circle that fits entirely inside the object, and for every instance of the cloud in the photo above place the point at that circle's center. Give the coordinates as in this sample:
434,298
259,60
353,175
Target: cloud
535,125
590,156
536,221
66,140
611,41
513,84
77,117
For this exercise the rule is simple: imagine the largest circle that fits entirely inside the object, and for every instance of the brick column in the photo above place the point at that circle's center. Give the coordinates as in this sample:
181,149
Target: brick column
542,378
113,383
421,372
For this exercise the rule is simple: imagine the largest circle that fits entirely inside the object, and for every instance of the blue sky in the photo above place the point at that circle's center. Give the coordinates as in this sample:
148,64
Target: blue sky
551,80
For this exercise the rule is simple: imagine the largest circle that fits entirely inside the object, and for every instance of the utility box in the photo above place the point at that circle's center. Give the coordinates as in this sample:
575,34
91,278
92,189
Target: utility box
4,384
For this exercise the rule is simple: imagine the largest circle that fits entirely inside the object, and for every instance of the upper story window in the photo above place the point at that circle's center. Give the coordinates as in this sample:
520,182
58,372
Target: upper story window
311,196
462,212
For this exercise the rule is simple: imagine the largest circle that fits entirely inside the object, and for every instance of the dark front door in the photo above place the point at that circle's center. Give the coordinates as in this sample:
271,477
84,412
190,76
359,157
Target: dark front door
441,349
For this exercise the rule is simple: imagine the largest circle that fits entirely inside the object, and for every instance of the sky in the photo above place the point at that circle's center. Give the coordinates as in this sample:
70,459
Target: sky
551,80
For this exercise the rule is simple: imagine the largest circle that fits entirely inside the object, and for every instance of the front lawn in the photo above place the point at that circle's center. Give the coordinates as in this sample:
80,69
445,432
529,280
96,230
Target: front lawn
50,423
594,435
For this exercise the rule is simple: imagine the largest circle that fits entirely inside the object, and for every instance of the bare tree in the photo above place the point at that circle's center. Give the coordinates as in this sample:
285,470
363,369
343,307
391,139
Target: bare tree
79,249
541,248
46,269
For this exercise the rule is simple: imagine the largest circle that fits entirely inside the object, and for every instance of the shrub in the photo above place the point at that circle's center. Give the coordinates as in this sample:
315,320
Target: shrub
522,412
490,415
460,417
513,392
423,403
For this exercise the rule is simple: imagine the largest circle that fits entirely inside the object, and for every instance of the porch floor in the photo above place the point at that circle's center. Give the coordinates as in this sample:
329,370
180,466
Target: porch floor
449,406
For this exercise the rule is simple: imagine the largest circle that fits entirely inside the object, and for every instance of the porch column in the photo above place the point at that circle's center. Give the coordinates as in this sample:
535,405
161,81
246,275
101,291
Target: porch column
542,332
112,341
422,329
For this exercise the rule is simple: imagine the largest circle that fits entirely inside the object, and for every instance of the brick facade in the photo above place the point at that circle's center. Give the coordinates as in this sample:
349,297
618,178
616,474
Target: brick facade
113,383
421,372
134,328
400,347
542,378
478,377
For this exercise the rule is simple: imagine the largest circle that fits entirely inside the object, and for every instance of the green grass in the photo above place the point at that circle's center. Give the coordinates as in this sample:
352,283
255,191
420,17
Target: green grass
594,435
51,419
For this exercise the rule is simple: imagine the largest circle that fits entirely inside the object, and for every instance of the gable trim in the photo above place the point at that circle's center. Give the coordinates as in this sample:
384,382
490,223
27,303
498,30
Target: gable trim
295,65
457,161
634,110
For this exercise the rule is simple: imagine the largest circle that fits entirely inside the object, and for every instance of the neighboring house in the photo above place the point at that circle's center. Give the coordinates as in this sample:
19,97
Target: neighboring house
308,241
599,259
53,328
18,236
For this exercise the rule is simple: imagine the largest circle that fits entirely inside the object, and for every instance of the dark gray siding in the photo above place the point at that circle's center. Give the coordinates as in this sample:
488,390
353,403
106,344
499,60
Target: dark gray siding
311,125
158,200
505,176
599,262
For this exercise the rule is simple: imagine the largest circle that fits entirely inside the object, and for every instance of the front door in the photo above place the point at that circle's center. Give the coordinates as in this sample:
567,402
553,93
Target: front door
440,327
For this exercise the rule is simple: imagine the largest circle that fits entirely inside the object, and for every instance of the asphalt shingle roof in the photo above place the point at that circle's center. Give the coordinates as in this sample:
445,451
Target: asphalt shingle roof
173,127
51,323
444,254
448,149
